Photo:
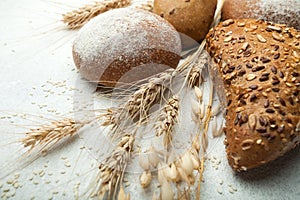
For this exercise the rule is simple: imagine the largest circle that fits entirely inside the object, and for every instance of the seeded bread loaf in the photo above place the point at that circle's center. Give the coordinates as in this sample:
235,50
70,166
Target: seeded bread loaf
256,68
277,11
125,45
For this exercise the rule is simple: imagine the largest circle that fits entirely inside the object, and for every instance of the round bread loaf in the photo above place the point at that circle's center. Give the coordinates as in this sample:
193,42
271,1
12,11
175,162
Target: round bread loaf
277,11
191,17
257,73
125,45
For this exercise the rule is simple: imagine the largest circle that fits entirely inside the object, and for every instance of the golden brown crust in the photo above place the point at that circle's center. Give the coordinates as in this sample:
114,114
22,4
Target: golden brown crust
278,11
191,17
143,64
259,64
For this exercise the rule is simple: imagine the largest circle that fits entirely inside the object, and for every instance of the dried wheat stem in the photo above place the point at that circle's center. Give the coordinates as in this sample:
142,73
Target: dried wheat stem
184,195
77,18
209,108
167,120
198,116
191,60
204,139
218,12
201,177
51,133
111,170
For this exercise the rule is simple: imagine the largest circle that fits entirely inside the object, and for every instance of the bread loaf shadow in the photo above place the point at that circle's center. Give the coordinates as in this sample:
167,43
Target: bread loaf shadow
283,166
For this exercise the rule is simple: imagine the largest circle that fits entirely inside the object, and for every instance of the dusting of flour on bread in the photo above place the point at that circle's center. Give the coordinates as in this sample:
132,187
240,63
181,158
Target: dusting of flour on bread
280,10
276,11
114,43
122,31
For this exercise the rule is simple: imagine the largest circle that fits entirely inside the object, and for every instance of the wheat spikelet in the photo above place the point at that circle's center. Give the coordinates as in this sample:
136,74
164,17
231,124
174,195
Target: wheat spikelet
145,179
122,195
139,103
180,170
110,117
77,18
148,6
111,170
195,73
168,119
194,77
51,133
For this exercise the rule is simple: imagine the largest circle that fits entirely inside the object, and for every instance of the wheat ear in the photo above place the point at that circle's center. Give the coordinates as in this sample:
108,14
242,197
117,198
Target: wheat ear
167,120
139,103
195,73
202,118
51,133
77,18
195,77
110,117
177,171
111,170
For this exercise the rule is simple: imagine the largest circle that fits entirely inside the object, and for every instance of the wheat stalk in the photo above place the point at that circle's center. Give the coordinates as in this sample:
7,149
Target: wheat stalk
202,118
167,120
75,19
111,170
51,133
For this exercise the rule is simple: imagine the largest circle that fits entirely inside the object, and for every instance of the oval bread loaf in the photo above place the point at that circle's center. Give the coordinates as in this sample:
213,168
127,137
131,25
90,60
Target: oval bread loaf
277,11
257,66
125,45
191,17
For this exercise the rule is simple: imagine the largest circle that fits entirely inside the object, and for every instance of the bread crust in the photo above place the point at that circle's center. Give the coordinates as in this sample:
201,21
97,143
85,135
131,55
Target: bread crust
125,45
259,65
277,11
191,17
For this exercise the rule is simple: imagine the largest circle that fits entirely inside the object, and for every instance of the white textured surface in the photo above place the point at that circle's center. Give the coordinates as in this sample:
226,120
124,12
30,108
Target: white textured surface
37,76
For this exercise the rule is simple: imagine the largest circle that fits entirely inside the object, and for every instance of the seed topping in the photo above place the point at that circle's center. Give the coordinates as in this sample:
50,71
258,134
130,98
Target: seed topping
261,38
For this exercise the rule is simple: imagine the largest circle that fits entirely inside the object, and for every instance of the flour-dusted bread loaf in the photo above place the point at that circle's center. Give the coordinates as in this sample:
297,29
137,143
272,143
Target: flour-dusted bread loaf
277,11
125,45
257,66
